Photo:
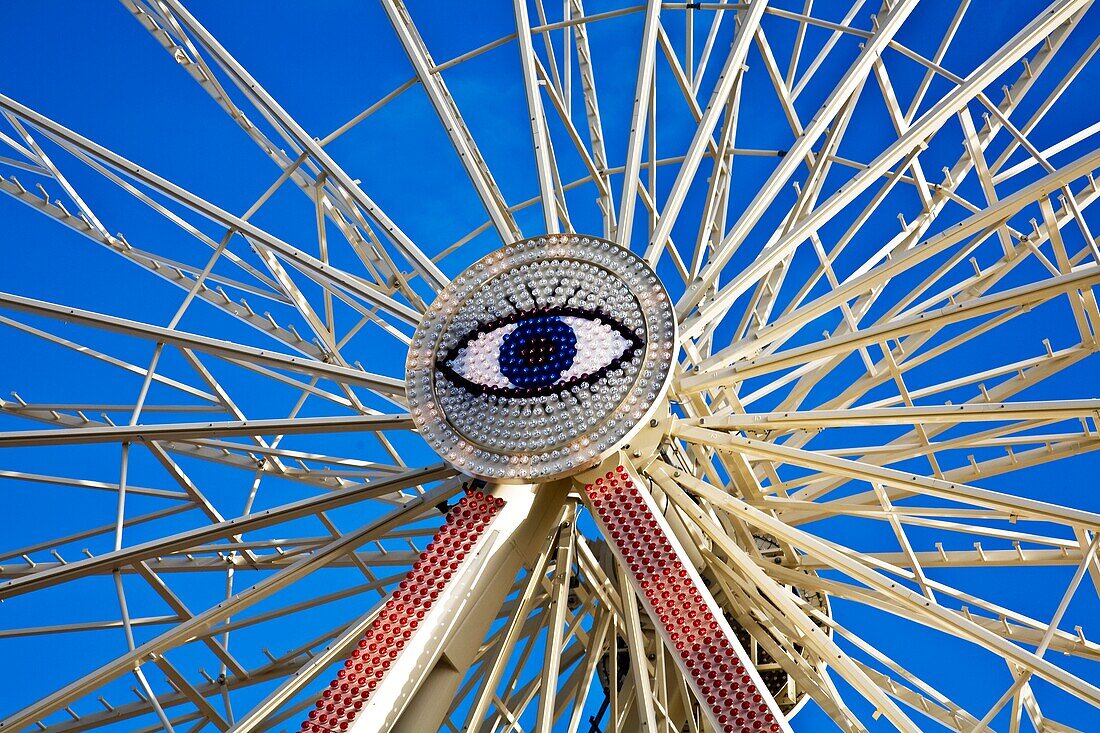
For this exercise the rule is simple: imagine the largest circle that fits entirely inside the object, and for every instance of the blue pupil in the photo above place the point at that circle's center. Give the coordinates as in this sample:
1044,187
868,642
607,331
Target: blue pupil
537,352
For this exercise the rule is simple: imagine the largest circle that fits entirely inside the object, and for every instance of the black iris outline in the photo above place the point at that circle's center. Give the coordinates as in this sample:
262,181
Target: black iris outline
443,363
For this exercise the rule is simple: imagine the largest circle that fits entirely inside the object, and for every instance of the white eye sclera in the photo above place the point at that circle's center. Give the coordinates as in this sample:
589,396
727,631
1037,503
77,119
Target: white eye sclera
539,352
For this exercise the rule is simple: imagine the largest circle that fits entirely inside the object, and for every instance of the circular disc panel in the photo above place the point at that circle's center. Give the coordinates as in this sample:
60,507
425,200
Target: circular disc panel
541,358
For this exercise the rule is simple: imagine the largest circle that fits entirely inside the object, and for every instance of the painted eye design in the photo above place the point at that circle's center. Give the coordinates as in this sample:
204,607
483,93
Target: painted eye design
539,352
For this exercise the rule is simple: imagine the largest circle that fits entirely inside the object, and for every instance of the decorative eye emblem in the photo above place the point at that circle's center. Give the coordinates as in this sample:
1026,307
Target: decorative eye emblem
541,358
539,352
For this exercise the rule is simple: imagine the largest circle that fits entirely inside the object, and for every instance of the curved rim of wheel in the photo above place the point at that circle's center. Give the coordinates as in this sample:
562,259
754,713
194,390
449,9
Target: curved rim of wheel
885,525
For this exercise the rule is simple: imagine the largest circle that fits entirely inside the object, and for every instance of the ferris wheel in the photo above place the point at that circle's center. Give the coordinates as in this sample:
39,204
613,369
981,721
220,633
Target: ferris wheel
710,367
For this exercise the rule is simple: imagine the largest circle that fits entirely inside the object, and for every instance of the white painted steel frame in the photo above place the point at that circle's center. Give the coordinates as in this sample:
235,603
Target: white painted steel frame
777,433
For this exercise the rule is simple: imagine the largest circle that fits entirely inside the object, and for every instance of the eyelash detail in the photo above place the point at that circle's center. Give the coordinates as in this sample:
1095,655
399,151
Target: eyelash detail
549,318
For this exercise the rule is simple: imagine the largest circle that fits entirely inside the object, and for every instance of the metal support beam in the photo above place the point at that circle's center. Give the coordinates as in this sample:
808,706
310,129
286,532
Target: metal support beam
394,388
204,430
228,528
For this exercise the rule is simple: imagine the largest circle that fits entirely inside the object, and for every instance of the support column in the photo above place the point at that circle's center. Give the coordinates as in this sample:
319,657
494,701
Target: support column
415,654
690,622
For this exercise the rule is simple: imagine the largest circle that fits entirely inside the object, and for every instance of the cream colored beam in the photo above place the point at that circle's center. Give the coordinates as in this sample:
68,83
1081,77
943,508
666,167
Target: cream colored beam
1022,296
918,414
890,477
891,589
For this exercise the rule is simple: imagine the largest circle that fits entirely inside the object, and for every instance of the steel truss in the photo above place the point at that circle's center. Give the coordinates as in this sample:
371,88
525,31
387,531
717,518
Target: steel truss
863,432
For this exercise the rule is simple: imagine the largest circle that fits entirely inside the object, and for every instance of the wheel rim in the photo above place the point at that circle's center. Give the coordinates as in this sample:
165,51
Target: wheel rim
907,466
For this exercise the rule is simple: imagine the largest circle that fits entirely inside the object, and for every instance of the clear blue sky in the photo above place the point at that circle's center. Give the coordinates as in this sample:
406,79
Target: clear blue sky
92,67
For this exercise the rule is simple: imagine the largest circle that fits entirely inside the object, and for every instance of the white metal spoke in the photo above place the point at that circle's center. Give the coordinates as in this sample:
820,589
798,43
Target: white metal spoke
856,73
905,597
219,613
221,530
540,135
417,258
452,121
728,79
643,86
140,433
392,387
901,149
312,265
854,415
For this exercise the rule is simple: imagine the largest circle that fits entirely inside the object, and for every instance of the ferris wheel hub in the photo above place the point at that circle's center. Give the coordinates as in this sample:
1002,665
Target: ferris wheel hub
541,359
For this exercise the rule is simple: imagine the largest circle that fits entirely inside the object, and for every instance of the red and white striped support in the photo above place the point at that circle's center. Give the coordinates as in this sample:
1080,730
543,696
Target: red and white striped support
689,620
420,599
